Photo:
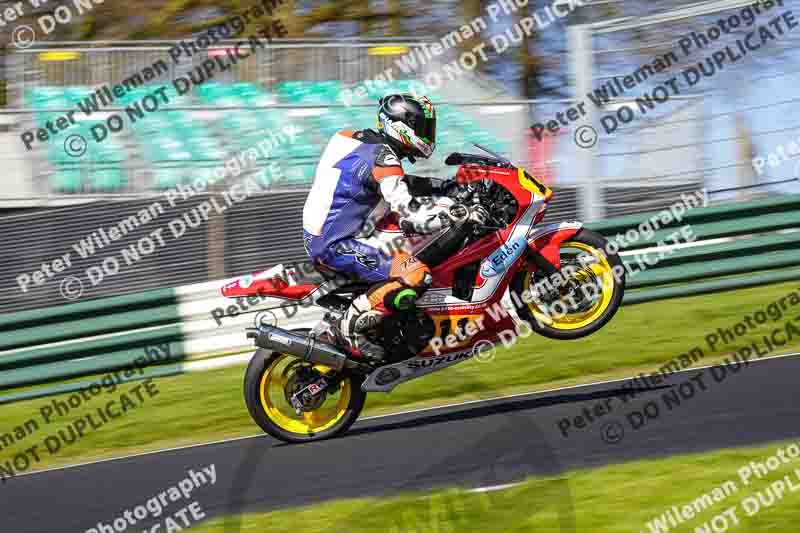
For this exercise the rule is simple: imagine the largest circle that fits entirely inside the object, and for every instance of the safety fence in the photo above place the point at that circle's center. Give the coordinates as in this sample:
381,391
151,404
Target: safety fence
737,245
69,63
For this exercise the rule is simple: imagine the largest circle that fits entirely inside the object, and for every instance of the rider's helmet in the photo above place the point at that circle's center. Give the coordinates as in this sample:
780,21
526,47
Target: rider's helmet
409,121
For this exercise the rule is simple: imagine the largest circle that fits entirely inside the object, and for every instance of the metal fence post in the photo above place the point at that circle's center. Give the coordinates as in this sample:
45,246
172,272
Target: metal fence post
4,84
580,46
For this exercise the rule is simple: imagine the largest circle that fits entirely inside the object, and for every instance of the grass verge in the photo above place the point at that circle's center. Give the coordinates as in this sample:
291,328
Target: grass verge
618,498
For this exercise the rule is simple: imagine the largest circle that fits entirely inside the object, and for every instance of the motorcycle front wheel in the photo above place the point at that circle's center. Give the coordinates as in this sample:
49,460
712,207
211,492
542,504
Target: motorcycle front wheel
591,293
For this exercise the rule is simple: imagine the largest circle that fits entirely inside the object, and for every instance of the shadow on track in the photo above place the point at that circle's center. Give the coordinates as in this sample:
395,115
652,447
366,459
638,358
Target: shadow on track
501,407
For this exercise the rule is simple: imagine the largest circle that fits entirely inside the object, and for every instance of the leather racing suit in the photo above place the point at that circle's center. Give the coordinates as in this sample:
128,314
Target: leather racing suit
358,181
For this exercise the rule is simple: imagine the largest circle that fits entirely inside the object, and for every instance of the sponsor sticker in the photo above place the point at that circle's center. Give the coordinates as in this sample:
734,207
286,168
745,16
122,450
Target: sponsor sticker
503,258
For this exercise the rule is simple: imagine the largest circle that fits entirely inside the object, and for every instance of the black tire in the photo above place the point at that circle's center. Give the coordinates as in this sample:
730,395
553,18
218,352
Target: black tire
260,363
521,283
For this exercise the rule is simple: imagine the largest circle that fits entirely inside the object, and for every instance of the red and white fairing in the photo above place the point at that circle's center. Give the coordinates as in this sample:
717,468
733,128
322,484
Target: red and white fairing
501,255
278,282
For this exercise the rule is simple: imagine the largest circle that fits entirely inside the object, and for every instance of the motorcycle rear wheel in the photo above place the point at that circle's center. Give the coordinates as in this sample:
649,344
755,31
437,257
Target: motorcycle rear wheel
568,321
267,379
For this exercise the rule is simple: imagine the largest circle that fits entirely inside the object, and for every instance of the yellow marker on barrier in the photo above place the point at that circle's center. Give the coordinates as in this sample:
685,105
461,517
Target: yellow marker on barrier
58,56
387,50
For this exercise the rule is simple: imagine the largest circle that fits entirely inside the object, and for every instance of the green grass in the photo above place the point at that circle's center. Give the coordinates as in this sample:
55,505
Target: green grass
618,498
208,406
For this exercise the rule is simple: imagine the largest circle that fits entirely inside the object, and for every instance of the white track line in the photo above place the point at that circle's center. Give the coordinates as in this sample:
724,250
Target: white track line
494,488
414,411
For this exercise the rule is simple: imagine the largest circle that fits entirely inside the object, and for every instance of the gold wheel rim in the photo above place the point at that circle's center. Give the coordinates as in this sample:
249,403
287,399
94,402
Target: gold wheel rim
281,412
602,270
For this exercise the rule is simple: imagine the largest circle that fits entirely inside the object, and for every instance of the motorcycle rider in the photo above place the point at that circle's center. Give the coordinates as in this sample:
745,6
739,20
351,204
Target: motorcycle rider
359,180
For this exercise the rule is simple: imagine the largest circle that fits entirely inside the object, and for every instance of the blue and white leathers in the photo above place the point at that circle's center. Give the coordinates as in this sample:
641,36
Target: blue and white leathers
358,181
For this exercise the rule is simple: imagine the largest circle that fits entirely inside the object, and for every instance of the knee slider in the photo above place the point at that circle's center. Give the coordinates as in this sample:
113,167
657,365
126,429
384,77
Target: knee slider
418,275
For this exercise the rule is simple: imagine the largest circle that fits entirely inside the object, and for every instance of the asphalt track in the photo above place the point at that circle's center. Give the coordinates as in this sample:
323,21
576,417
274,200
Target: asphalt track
472,445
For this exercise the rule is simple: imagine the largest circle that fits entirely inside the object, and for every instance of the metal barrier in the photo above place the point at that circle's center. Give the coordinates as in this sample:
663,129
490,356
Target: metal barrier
84,339
74,63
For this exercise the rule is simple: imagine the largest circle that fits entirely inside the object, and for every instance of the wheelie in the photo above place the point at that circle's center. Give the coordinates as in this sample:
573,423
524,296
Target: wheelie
413,273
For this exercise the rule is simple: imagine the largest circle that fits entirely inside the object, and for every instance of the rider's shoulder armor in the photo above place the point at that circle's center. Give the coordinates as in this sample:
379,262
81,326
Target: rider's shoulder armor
385,161
385,155
369,136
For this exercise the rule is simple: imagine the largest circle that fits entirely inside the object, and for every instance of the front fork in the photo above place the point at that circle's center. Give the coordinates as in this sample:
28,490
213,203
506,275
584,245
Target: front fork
544,256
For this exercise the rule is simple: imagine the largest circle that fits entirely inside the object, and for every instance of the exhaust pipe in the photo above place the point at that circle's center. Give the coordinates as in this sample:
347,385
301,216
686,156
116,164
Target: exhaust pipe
300,346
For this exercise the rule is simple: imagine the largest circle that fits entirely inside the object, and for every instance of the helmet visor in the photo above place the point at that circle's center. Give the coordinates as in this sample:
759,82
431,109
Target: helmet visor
426,129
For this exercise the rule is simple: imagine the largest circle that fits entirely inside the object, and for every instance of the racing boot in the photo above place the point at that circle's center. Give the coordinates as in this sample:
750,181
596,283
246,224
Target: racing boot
350,331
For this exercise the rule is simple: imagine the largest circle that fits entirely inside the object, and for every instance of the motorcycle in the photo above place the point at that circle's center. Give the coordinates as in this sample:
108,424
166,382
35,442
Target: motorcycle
560,278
